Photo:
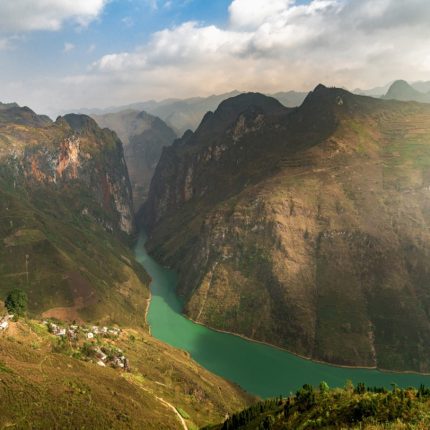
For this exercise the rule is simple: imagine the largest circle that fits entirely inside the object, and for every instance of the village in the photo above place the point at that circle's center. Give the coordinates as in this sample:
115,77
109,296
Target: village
92,348
89,343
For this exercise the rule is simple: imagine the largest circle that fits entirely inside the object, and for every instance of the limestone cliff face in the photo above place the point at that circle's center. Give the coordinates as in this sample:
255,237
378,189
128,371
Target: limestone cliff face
74,152
67,217
305,228
144,137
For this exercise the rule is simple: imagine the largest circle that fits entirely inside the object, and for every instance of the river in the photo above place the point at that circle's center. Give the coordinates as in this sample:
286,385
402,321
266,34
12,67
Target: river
259,369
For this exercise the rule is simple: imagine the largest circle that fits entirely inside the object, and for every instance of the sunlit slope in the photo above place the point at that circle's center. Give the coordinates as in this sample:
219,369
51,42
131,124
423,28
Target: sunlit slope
43,389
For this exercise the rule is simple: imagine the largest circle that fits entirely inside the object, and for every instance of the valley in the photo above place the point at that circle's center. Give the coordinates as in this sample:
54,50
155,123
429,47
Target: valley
259,369
308,176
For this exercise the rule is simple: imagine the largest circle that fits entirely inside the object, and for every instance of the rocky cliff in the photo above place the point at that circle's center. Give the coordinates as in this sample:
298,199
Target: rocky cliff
67,212
306,228
144,137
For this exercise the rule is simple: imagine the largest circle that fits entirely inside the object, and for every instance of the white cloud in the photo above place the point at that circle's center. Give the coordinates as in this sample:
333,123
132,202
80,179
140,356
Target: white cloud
68,47
28,15
250,14
267,46
4,44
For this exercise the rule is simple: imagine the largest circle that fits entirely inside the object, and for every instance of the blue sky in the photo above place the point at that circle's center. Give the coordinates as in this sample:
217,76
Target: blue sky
63,54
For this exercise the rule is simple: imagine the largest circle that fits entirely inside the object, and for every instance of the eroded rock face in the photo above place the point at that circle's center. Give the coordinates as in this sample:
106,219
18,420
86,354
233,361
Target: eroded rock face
72,152
305,228
143,136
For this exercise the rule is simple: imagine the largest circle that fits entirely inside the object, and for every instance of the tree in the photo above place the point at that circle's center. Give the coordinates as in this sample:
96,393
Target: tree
16,302
324,388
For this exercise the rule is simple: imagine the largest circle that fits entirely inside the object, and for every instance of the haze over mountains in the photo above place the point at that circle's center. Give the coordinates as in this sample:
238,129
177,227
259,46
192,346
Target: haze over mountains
143,137
186,114
401,90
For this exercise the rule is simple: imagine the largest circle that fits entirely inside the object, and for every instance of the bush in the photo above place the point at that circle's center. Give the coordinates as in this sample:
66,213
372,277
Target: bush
16,303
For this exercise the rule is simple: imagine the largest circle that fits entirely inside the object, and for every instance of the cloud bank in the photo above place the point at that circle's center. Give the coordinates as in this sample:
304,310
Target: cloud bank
279,45
264,46
31,15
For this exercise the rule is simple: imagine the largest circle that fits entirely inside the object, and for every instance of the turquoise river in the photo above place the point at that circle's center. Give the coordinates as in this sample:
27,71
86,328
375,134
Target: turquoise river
259,369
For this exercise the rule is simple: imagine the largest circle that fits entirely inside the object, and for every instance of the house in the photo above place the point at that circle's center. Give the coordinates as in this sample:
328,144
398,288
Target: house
90,335
101,355
4,325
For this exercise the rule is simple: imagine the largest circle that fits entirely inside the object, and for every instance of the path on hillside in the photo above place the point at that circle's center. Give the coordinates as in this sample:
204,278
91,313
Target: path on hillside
164,402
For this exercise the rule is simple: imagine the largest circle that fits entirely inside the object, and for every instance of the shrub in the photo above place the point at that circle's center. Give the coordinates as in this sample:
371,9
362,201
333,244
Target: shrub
16,302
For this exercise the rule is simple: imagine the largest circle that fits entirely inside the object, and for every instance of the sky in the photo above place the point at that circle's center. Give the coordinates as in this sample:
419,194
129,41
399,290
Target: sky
61,55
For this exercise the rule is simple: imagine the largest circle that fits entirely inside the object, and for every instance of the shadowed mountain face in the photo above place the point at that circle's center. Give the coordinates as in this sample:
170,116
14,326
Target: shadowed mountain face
144,137
67,215
306,228
401,90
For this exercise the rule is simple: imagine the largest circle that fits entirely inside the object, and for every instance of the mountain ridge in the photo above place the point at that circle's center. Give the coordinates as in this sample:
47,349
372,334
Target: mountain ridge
260,230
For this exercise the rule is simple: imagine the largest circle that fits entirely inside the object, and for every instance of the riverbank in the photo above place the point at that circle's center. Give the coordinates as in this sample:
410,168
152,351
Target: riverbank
260,368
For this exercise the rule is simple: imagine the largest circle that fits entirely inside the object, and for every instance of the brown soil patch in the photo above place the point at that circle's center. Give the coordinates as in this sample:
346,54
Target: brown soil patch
83,295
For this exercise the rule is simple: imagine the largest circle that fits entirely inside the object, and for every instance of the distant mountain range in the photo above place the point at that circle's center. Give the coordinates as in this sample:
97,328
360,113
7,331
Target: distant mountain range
186,114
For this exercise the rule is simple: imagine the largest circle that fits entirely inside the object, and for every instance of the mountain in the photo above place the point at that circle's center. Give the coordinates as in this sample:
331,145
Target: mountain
350,408
186,114
305,228
422,86
373,92
67,219
143,136
401,90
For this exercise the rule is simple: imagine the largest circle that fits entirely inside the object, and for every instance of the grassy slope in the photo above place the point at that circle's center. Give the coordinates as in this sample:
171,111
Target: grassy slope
41,389
73,262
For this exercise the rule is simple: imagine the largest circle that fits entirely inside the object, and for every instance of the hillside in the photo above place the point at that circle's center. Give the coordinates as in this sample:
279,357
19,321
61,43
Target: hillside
67,219
143,137
305,228
350,408
47,383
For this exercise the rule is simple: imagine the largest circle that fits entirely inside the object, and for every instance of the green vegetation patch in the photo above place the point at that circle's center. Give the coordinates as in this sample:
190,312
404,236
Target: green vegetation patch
357,407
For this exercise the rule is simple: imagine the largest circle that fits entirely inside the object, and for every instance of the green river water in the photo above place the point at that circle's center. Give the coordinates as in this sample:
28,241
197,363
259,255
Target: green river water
259,369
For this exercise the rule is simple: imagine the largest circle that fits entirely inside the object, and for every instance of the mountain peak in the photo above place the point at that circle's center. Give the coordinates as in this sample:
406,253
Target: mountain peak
320,87
401,90
244,101
80,123
229,110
